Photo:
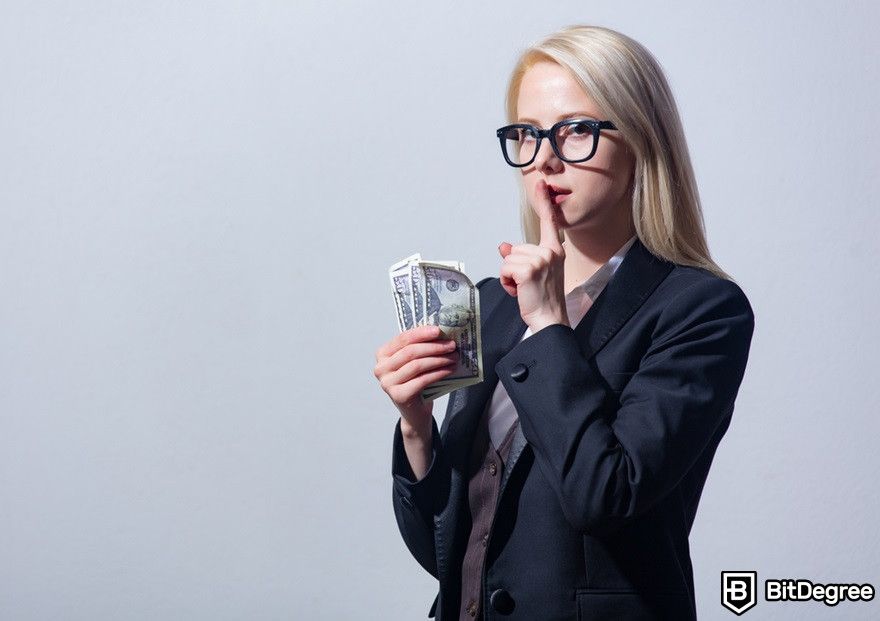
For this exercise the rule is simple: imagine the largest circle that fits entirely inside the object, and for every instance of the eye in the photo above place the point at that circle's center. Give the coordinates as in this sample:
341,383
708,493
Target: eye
580,132
527,134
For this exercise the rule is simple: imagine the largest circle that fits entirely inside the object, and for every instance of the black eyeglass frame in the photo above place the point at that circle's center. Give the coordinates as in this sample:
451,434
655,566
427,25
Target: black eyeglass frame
550,134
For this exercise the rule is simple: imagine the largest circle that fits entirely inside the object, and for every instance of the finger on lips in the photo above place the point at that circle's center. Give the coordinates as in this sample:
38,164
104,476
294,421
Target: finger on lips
547,215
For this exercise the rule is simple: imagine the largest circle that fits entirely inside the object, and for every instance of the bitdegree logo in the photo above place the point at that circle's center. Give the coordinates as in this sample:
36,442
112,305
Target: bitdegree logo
801,589
739,591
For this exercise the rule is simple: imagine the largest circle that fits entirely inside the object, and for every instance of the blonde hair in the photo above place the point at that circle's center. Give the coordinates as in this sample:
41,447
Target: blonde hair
628,84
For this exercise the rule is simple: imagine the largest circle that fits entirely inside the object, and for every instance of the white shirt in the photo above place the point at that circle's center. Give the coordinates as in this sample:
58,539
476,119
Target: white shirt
502,414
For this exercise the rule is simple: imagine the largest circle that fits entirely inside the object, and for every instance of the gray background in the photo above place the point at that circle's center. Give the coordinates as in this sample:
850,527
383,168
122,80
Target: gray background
198,206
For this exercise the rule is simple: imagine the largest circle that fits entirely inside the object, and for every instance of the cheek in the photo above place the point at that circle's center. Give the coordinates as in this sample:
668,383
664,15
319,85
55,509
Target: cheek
623,166
608,178
595,183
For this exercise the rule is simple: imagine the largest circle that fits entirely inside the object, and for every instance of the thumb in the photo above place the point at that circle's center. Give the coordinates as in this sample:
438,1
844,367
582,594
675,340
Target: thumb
548,213
504,249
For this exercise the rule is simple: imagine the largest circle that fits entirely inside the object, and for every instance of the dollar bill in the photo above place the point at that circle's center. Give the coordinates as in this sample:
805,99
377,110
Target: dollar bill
440,293
401,286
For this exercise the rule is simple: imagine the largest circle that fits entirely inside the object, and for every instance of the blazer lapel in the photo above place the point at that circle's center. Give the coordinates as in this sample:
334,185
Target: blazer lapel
635,279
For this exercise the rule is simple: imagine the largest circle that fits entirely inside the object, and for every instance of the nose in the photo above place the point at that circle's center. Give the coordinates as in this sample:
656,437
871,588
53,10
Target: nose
546,158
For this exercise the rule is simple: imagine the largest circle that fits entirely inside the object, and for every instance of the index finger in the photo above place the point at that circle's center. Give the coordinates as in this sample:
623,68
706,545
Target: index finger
547,216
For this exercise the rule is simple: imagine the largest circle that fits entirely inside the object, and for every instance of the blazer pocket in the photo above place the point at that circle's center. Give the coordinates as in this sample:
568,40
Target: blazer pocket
603,604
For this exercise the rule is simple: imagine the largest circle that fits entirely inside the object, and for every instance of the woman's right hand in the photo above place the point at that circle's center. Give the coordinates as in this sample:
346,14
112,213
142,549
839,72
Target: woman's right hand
408,363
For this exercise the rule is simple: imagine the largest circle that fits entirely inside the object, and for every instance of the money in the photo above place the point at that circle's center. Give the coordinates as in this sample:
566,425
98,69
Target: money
439,293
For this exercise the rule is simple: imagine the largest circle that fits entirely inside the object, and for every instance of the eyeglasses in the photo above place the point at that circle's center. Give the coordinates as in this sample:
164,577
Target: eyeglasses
573,140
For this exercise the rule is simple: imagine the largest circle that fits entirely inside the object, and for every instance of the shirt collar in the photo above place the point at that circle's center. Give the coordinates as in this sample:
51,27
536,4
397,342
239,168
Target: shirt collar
593,285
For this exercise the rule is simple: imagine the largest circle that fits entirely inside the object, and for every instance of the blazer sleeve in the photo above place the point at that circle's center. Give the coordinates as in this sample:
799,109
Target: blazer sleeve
607,467
412,500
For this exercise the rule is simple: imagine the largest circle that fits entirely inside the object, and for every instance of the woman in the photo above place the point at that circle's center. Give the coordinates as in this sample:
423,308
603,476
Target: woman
564,485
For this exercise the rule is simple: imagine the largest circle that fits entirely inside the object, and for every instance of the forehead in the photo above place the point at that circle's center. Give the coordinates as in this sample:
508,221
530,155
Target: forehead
548,91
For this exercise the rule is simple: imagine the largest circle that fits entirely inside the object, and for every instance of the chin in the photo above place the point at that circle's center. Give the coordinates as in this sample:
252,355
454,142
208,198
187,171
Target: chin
584,221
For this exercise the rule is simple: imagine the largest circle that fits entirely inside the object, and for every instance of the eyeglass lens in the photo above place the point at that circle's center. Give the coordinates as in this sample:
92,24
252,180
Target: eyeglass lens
574,141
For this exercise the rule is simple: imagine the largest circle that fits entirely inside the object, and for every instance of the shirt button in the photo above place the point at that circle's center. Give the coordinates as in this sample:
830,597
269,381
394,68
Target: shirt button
472,608
485,540
492,468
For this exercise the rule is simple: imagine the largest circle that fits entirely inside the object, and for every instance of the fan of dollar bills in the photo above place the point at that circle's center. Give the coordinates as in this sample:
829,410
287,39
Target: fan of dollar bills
438,293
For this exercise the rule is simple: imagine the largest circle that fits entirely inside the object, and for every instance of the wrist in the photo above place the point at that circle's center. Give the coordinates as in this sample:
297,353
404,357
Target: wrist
542,322
412,432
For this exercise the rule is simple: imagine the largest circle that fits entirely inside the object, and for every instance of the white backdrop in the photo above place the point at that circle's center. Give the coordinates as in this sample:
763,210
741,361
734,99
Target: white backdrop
198,206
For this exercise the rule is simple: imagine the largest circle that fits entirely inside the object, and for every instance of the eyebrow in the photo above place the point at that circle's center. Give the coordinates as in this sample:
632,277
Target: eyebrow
561,116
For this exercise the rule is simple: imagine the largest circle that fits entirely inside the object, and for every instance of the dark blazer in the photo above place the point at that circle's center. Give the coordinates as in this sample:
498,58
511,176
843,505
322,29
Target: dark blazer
619,421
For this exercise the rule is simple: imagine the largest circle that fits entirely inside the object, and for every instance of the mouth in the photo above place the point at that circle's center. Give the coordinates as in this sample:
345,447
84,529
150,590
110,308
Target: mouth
556,189
558,194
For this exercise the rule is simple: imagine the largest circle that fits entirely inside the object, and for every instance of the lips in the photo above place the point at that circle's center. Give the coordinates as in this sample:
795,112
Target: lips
557,199
557,193
558,190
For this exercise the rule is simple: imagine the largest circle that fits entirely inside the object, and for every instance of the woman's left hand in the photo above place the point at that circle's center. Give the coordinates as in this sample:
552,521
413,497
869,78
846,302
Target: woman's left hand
534,274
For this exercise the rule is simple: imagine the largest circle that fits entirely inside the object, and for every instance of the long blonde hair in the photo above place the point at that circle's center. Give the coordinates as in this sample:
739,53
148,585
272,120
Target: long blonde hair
628,84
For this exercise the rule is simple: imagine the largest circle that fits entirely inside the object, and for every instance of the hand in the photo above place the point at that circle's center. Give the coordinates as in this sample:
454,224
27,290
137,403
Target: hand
408,363
534,274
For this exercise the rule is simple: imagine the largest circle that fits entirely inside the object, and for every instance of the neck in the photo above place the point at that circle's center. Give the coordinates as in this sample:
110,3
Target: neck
588,249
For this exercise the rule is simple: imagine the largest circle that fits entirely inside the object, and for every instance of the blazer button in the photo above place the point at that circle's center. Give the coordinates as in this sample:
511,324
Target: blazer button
501,601
520,372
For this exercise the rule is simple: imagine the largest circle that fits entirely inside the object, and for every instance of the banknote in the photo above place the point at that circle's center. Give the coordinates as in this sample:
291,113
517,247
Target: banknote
402,289
440,293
